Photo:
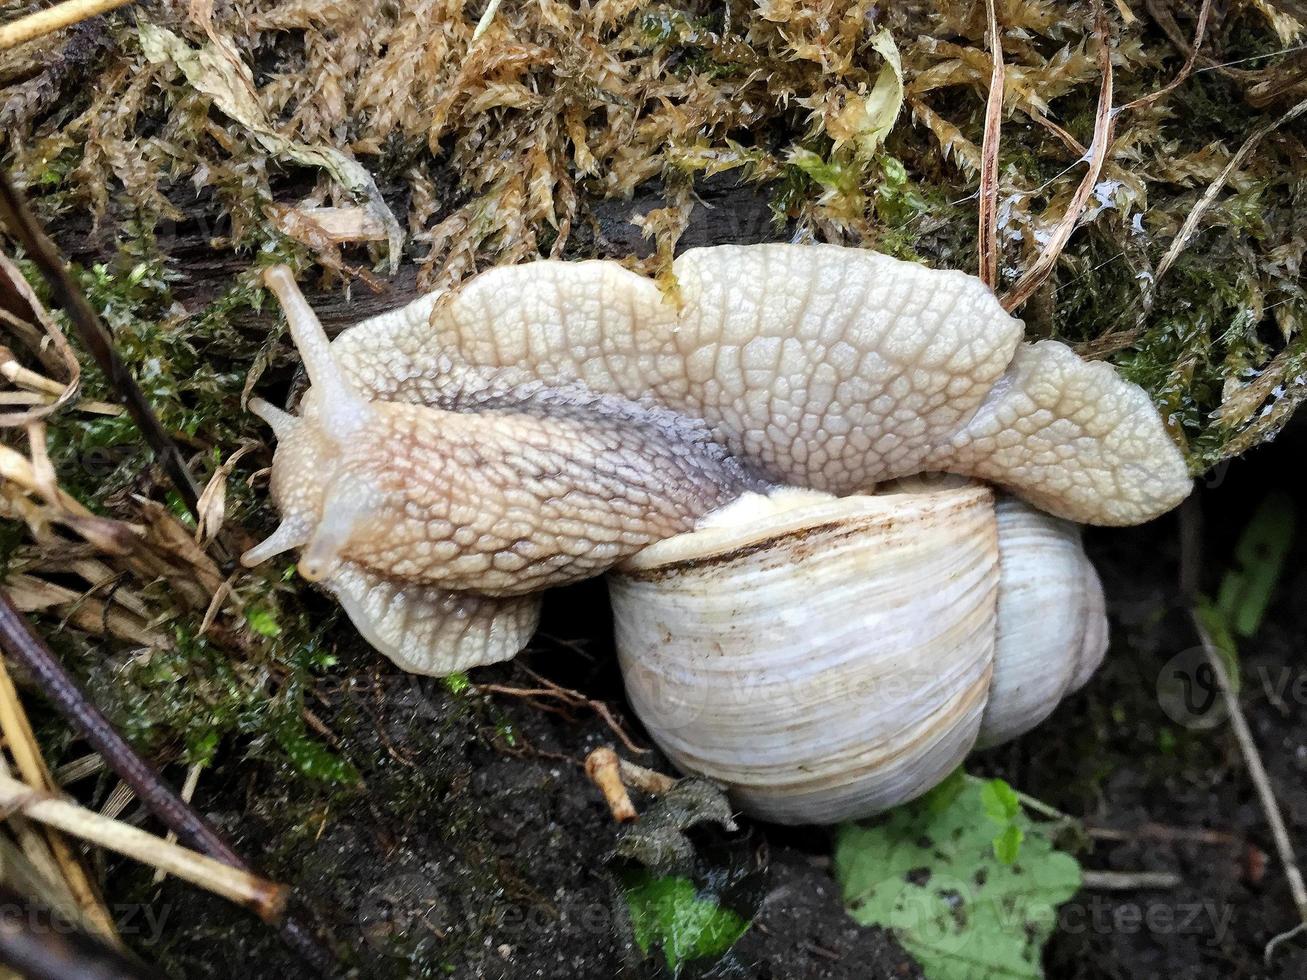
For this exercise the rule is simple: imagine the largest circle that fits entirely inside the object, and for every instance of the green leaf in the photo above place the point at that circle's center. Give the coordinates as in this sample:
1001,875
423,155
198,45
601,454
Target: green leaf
886,98
1007,845
999,800
263,621
833,175
940,880
1246,590
669,913
457,683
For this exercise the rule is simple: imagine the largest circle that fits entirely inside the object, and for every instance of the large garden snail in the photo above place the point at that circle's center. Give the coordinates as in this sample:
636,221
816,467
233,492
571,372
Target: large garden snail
806,610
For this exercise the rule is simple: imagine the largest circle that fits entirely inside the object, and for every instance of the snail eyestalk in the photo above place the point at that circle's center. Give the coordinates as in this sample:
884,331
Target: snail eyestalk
293,532
342,409
283,423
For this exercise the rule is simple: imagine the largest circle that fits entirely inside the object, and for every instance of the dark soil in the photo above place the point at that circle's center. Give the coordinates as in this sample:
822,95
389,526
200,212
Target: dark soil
479,849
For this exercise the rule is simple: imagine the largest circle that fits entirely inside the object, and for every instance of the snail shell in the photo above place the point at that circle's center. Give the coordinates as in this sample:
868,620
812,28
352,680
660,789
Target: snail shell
828,658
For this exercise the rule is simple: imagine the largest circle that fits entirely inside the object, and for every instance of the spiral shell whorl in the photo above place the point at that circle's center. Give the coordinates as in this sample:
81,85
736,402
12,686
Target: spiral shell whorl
829,658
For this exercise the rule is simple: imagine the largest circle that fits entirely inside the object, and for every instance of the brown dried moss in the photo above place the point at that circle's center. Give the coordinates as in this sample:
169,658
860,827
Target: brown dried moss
493,147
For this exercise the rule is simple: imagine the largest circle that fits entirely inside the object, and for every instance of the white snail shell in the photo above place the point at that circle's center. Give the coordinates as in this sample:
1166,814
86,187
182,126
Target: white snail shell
828,658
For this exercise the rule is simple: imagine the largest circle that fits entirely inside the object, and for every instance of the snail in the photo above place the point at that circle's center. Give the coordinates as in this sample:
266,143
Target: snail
838,494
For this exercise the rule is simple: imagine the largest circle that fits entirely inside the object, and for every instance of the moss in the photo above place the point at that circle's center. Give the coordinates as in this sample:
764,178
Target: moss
501,152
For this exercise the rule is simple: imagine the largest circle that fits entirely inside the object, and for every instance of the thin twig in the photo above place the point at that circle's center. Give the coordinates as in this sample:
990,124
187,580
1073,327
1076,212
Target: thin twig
1161,832
95,336
1190,225
1190,561
988,209
1185,70
266,898
1043,265
604,769
569,697
25,647
1128,881
53,19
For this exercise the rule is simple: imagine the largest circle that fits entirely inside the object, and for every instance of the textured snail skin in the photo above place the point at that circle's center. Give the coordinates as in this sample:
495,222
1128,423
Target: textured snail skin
825,367
546,421
434,527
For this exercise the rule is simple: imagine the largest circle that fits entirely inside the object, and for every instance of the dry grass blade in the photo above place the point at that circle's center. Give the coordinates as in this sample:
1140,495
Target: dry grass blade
26,647
1185,70
1043,265
96,337
487,19
1187,230
266,898
988,209
188,794
52,19
1190,563
22,745
41,940
18,375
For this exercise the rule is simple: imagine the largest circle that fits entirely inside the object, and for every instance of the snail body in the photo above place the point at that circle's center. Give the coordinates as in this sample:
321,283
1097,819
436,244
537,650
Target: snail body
549,422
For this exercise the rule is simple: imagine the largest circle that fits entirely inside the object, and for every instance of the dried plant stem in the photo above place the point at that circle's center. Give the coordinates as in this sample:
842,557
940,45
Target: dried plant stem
24,646
58,346
188,793
53,19
1161,832
487,19
46,392
68,295
1190,225
34,846
604,770
1200,31
988,209
37,942
266,898
1128,881
1190,562
21,742
1043,265
1256,771
646,780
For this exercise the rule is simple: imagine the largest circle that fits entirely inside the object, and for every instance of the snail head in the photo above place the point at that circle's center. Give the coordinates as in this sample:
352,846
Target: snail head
547,486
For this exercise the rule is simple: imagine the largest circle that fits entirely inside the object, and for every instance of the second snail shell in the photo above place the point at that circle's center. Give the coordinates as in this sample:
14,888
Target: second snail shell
827,658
